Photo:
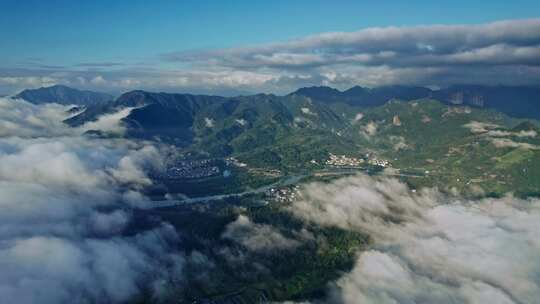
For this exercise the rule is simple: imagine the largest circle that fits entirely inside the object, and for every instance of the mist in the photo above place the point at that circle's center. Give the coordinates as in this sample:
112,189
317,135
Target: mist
66,203
429,247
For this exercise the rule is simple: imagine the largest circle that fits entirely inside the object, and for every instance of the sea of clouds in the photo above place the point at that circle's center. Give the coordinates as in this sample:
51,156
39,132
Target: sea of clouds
66,203
429,247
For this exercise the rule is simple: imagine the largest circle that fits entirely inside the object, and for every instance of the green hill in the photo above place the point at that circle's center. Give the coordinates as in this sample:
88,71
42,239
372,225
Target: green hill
426,142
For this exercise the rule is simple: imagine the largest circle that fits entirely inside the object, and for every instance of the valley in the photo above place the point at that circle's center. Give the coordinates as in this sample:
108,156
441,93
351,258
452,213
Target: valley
270,152
235,168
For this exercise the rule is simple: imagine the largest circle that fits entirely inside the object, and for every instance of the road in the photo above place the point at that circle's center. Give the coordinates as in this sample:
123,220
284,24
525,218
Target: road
287,181
290,180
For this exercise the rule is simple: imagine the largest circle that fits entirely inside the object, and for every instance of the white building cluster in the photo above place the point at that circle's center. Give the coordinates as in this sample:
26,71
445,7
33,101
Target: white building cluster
284,195
379,162
343,161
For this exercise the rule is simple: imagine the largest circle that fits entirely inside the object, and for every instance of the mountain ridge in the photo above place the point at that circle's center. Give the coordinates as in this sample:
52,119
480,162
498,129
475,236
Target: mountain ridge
518,101
65,95
176,116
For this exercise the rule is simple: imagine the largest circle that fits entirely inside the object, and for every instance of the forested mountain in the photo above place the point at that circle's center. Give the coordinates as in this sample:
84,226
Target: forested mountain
64,95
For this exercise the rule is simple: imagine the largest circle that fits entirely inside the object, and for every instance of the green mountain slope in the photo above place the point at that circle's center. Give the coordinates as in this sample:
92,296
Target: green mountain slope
64,95
427,142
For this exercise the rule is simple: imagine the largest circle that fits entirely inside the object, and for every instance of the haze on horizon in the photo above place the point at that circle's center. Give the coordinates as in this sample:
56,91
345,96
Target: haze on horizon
244,47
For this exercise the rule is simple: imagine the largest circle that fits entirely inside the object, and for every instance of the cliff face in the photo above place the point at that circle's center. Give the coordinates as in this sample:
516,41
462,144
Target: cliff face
515,101
396,121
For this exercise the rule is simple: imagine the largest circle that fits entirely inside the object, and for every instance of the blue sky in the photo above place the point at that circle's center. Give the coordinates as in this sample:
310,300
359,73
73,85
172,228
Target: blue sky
66,34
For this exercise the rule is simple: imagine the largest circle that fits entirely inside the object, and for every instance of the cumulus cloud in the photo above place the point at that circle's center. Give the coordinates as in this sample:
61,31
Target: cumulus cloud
65,204
429,247
27,81
503,52
201,80
258,237
499,138
503,42
440,51
509,143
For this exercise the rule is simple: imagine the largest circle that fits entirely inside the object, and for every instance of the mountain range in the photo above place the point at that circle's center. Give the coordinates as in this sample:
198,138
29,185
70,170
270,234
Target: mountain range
64,95
472,141
517,101
182,118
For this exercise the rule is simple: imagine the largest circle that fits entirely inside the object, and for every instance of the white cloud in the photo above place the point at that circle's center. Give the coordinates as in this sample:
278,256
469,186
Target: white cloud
497,137
109,123
23,119
428,247
241,121
65,202
307,111
503,52
498,42
28,81
358,116
522,133
208,122
478,127
508,143
257,237
98,80
425,55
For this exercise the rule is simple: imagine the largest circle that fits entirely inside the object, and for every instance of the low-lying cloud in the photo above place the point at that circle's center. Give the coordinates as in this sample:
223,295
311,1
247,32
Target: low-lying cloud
429,247
509,143
66,202
109,123
23,119
502,138
258,237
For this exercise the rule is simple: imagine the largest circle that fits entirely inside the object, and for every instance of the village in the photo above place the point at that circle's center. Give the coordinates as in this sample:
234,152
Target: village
284,195
190,169
353,162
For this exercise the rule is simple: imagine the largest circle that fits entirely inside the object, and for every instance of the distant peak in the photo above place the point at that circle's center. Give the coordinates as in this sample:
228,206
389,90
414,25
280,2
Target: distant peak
59,86
134,92
357,87
62,94
318,88
356,90
525,126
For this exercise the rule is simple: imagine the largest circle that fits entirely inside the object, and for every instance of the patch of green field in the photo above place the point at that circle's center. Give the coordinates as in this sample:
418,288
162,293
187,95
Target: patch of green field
514,157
